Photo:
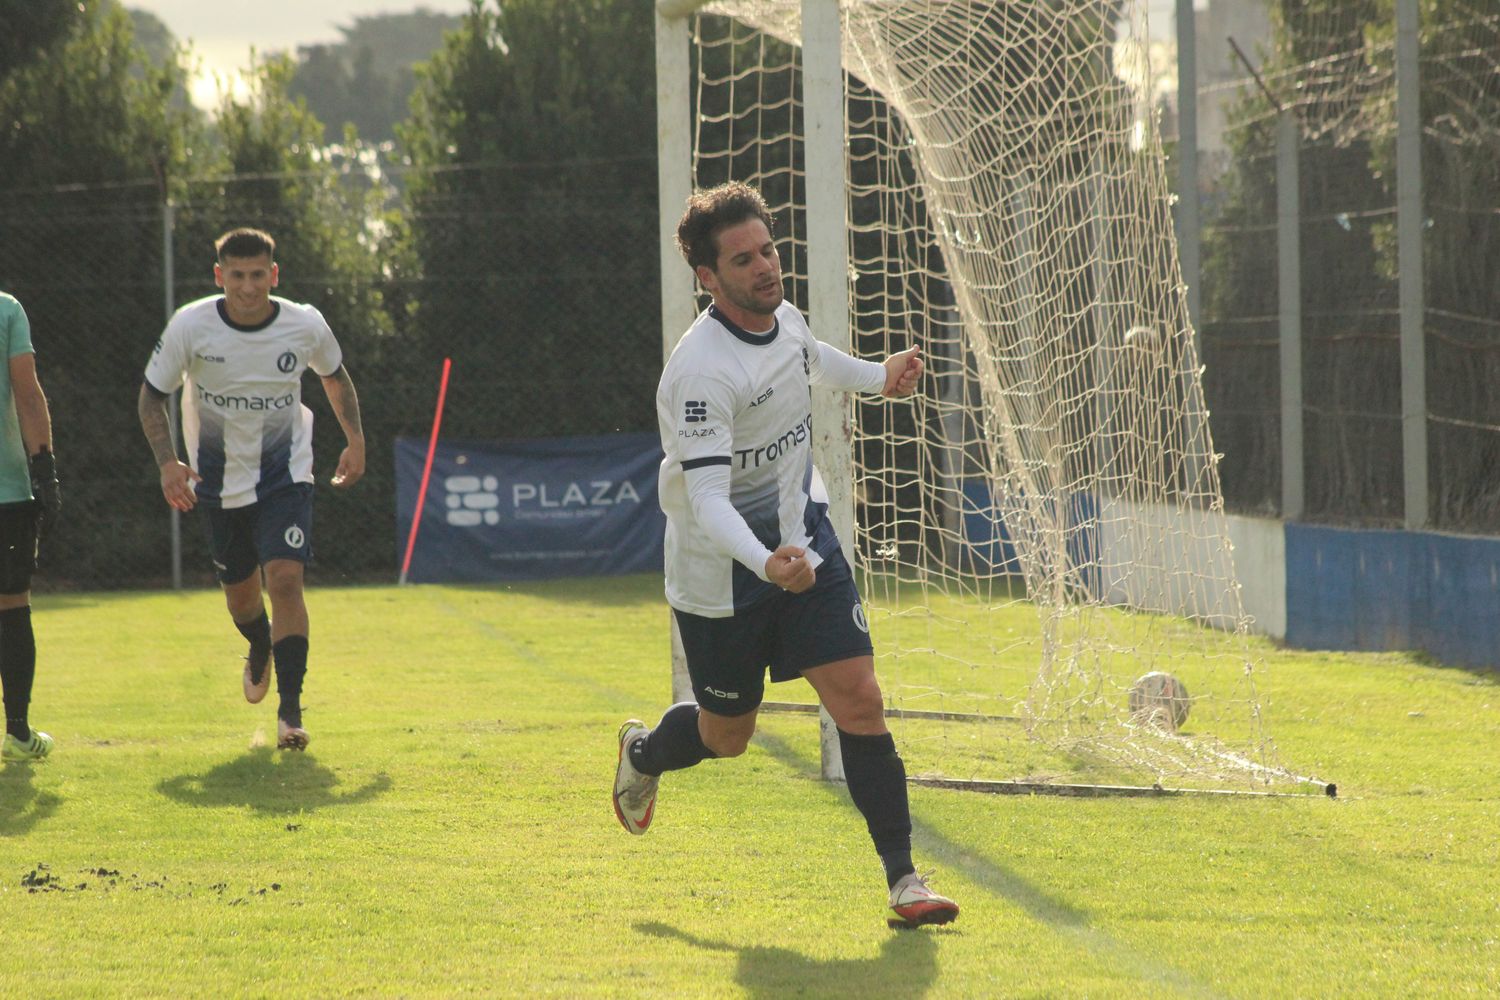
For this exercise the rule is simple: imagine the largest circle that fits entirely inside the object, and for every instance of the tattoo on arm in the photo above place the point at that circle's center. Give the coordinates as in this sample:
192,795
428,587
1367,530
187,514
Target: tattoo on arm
345,402
153,414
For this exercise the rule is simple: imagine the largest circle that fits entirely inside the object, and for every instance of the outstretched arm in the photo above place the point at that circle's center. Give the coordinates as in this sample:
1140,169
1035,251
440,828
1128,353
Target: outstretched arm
177,479
345,402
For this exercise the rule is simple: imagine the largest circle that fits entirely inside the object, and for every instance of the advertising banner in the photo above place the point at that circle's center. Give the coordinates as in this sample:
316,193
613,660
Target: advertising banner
532,510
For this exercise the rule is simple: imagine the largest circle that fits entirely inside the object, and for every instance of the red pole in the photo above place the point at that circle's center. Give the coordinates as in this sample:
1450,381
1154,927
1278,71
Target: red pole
416,518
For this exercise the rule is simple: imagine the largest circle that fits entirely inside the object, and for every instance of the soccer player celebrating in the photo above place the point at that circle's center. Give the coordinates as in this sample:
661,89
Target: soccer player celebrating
239,358
30,502
754,572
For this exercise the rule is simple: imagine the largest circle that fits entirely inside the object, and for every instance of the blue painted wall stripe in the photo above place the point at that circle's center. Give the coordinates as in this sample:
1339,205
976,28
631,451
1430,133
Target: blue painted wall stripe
1394,590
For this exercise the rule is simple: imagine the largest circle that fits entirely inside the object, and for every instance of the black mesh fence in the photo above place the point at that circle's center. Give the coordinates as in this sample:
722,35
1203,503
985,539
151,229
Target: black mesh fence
548,307
1332,66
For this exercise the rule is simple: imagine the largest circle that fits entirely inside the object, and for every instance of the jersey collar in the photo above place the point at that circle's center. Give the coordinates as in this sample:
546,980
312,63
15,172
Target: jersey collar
755,339
224,315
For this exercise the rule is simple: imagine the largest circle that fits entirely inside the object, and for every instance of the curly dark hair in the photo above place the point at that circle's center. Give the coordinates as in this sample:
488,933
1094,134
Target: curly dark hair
715,209
245,242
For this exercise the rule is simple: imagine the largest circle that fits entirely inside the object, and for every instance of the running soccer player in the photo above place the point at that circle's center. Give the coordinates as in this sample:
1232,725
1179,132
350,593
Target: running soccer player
30,501
239,358
755,575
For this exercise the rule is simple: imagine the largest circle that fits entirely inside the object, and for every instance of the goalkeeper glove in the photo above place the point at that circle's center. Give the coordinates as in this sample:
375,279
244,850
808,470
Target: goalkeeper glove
45,488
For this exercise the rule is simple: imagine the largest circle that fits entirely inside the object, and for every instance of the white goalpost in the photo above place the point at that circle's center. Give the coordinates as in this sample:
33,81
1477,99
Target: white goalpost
1043,525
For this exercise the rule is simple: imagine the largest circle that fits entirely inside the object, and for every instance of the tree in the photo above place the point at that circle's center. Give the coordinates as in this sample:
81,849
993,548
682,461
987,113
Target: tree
366,80
31,28
531,213
92,140
1337,58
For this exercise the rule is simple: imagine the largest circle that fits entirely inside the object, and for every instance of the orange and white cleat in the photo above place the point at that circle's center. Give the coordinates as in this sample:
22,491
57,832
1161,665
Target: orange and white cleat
635,793
916,905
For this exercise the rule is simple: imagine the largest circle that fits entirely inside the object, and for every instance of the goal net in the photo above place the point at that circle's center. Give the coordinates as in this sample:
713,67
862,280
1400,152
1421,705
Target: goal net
1042,525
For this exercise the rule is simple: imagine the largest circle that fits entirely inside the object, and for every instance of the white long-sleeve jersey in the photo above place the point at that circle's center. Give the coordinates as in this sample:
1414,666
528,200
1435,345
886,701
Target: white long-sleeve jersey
737,480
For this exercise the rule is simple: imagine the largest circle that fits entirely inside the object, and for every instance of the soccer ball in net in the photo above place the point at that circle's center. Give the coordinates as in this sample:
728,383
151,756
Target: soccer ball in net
1159,699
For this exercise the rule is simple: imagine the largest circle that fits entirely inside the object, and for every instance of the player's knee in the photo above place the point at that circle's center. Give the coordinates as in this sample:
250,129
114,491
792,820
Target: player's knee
284,587
859,708
731,745
728,741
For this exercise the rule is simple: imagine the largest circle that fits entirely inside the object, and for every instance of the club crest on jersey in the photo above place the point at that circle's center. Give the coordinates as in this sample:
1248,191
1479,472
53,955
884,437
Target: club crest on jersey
286,362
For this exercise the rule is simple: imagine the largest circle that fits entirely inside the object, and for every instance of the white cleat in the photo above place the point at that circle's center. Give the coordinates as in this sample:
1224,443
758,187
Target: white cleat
257,676
21,751
635,793
916,905
290,737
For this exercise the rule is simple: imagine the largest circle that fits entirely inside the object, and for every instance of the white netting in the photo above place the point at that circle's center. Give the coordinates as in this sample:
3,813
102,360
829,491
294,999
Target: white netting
1043,526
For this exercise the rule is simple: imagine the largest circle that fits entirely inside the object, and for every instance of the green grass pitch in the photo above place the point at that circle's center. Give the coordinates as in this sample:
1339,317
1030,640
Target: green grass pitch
449,832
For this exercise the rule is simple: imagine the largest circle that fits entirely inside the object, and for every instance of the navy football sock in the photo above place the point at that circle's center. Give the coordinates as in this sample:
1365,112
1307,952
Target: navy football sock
291,666
17,668
257,631
877,783
674,744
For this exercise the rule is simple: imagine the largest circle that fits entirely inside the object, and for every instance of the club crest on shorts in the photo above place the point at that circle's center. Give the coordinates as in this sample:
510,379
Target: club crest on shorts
293,537
859,618
286,362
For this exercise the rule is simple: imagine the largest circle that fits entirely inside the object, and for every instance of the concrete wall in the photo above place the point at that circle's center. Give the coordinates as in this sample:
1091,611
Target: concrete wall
1391,590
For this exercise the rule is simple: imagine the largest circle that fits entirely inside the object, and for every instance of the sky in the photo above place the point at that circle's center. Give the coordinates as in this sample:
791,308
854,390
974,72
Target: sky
222,32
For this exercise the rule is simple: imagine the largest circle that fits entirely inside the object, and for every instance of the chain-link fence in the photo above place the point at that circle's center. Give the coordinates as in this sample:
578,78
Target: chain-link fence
548,306
1331,67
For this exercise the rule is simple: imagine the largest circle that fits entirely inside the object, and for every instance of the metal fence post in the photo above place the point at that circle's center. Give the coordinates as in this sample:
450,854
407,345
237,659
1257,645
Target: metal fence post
1289,301
174,412
1189,220
1409,219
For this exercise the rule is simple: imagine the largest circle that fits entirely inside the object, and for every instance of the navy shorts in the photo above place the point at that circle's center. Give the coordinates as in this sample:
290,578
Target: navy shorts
789,633
277,526
18,545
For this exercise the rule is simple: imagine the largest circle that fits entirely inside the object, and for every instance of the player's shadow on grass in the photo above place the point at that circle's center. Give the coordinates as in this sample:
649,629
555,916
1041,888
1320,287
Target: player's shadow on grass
1070,922
22,806
270,781
906,957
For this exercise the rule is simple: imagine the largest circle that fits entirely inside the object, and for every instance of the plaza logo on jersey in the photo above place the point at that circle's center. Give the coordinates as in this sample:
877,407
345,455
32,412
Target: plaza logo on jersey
695,411
859,618
286,362
753,457
294,537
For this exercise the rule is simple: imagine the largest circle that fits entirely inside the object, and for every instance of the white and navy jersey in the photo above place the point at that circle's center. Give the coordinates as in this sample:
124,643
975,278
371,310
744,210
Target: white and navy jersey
735,400
246,429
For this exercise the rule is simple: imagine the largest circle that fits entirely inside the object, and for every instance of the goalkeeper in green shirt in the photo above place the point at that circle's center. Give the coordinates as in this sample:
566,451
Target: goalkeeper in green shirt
29,504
